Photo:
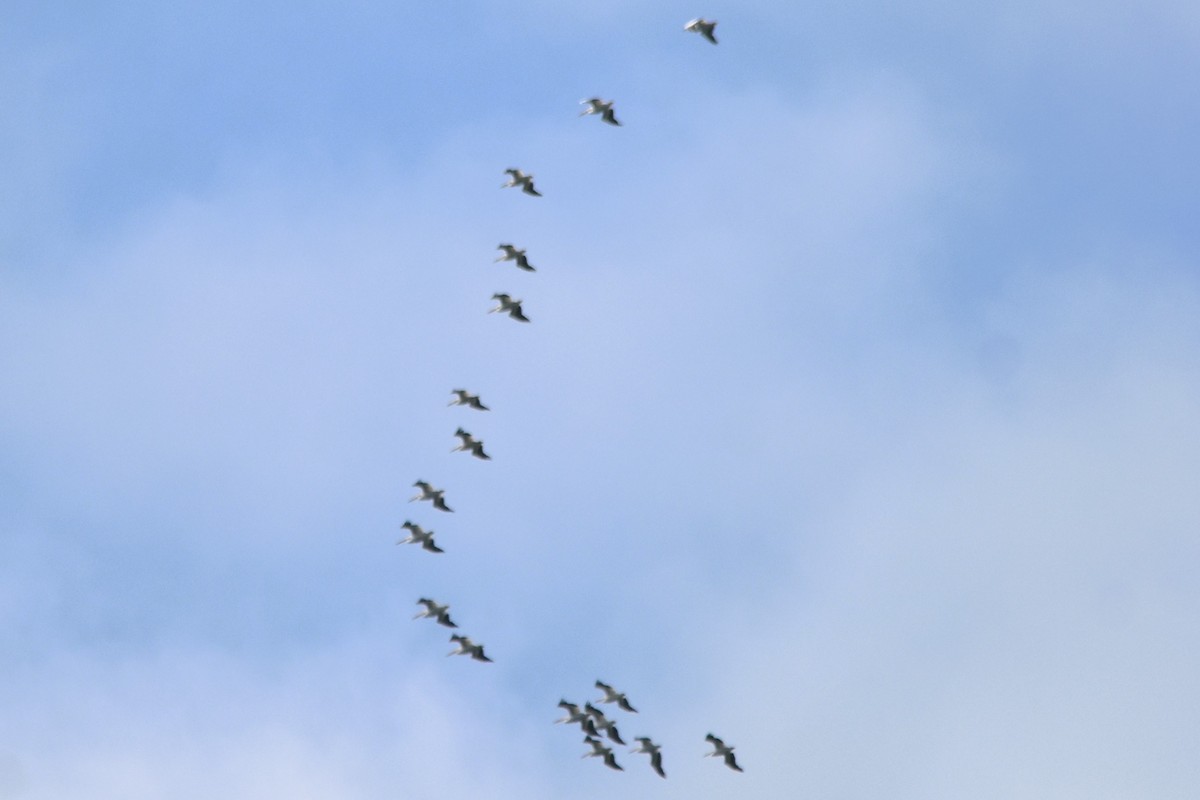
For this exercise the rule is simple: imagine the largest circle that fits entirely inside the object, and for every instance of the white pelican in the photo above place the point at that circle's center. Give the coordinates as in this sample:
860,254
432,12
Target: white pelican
611,695
468,648
603,723
610,728
471,444
600,750
430,493
418,535
703,27
650,747
518,178
513,253
722,750
575,715
465,398
432,609
602,107
508,306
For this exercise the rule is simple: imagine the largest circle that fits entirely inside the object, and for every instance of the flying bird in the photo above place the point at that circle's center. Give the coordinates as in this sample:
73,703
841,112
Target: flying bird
518,178
468,648
576,716
513,253
703,27
602,722
654,750
432,609
508,306
418,535
430,493
601,750
611,695
722,750
471,444
610,728
465,398
602,107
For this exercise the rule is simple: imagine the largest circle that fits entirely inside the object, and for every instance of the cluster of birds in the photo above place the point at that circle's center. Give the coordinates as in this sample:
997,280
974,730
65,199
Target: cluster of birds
595,725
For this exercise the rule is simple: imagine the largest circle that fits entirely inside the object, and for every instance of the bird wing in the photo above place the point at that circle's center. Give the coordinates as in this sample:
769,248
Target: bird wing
656,762
731,762
624,704
431,547
609,117
528,189
516,313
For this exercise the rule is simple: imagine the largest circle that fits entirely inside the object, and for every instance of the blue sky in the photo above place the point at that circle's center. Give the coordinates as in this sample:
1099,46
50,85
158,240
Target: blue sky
858,422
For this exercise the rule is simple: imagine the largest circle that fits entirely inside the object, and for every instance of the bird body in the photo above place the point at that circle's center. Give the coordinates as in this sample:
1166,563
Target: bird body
433,609
722,750
465,398
647,746
518,178
601,750
508,306
470,444
468,648
704,27
574,715
602,107
418,535
514,253
610,729
611,695
430,493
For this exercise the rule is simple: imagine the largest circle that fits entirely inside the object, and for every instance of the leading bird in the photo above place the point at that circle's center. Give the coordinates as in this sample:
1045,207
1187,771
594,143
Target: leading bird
704,27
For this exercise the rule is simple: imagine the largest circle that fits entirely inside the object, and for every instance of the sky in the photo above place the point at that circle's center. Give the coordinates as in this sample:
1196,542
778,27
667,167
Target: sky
857,423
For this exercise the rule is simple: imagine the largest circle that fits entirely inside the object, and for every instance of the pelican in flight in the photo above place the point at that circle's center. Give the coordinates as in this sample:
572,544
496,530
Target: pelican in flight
513,253
602,107
468,648
575,715
611,695
603,723
518,178
418,535
430,493
601,750
722,750
647,746
508,306
432,609
471,444
465,398
703,27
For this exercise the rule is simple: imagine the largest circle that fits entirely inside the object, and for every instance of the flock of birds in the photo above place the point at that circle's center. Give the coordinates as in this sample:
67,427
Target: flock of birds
593,722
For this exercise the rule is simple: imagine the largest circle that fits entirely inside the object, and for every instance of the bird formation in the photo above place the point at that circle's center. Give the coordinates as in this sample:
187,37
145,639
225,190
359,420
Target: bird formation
593,723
